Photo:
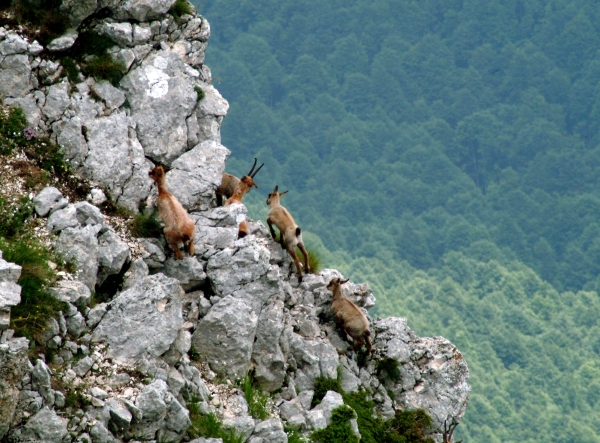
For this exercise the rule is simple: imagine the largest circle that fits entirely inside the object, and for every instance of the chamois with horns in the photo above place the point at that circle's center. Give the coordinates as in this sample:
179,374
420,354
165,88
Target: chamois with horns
179,227
290,234
243,187
348,317
229,184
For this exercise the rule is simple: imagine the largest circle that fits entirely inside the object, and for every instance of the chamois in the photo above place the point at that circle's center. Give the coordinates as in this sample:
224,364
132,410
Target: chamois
179,227
290,233
349,317
243,187
229,184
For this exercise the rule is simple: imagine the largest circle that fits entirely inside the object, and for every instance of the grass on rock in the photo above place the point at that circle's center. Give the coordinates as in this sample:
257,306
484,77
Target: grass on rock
258,401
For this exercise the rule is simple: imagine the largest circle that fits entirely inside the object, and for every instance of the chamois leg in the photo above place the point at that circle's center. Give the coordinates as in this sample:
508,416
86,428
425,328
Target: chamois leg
190,247
173,241
367,336
219,200
296,262
341,329
358,342
270,223
303,249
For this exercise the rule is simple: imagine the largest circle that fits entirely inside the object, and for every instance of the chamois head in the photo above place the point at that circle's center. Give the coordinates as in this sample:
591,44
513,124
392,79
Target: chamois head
274,196
336,283
247,179
158,172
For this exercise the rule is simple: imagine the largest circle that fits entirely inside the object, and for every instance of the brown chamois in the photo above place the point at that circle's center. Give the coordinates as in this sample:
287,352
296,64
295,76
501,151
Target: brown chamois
243,187
229,184
290,234
349,318
179,227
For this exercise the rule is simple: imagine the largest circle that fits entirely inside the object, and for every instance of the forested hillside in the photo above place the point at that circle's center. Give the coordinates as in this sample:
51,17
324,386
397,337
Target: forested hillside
447,152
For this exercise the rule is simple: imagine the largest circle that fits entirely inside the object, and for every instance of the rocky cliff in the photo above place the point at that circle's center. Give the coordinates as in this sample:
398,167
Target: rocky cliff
177,332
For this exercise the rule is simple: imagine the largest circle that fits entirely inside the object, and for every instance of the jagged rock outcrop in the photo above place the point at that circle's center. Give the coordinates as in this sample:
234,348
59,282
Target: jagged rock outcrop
177,331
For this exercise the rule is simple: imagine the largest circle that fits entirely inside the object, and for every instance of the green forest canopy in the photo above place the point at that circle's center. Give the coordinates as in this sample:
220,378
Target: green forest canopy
446,152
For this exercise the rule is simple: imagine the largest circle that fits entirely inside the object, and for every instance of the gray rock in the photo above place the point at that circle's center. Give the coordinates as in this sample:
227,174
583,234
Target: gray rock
96,196
81,246
51,329
76,325
119,415
100,434
30,107
77,11
96,314
316,357
269,370
113,253
57,101
13,44
271,431
9,272
189,272
121,33
62,219
180,346
434,374
63,42
88,214
143,320
14,365
242,425
161,95
141,33
45,426
331,401
112,97
72,291
15,76
46,199
136,273
224,337
197,173
83,366
140,10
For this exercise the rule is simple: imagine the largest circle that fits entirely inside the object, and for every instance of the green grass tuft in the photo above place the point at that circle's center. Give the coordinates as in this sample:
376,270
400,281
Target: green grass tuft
200,93
13,216
104,67
181,7
92,43
12,126
43,23
321,386
209,426
37,305
339,430
258,401
70,69
146,226
390,367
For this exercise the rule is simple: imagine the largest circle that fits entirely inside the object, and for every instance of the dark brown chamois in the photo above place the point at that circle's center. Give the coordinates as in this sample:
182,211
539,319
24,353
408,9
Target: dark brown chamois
348,317
229,183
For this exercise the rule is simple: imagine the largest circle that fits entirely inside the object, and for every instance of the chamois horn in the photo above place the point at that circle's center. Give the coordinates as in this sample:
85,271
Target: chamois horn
255,172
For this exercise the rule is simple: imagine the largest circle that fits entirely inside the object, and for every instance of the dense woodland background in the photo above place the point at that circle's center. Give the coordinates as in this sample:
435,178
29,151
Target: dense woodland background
448,153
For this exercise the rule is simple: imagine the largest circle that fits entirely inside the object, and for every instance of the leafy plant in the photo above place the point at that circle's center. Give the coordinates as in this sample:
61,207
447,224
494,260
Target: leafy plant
146,226
321,386
70,69
258,401
181,7
339,430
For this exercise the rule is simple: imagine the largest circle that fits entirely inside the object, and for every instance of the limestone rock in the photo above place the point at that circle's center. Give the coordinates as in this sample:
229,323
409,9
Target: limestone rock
63,42
269,370
14,365
112,97
224,337
143,320
45,200
45,426
72,291
81,246
15,76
